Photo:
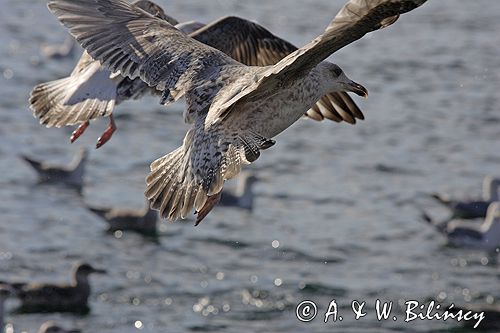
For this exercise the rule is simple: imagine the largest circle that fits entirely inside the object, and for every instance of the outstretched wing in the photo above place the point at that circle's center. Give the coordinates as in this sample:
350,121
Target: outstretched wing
137,44
91,91
253,45
355,19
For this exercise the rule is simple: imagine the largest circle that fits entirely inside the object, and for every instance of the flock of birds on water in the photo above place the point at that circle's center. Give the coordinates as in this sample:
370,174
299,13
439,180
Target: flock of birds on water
242,86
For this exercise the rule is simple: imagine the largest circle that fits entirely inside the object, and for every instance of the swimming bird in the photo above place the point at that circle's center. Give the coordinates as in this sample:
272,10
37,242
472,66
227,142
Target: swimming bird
57,298
65,50
71,174
472,209
52,327
142,221
243,196
235,110
485,235
57,103
5,293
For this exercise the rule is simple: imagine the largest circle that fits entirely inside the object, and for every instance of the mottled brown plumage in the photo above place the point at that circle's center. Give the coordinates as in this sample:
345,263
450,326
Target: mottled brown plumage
235,110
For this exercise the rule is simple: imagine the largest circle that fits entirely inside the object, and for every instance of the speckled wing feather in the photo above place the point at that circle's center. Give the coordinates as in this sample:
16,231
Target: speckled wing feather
131,41
253,45
355,19
139,45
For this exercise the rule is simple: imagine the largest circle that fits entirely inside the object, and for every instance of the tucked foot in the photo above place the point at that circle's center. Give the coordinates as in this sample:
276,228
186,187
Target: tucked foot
209,205
108,133
79,131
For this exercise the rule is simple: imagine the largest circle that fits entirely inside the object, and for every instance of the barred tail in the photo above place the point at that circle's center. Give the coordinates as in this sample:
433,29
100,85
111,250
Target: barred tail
171,187
75,99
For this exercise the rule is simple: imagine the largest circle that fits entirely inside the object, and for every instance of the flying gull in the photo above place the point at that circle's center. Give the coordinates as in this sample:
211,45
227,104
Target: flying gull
71,174
472,209
57,298
235,110
92,91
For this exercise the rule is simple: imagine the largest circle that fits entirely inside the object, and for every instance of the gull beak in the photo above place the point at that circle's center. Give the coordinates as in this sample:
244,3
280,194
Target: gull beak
100,271
357,89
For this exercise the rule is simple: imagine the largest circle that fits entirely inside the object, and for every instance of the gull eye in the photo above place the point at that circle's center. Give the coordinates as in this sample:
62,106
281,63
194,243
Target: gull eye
337,71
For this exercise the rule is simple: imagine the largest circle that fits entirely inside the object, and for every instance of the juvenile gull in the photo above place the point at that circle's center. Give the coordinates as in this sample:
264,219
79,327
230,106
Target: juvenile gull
90,92
71,174
234,109
57,103
142,221
57,298
472,209
485,235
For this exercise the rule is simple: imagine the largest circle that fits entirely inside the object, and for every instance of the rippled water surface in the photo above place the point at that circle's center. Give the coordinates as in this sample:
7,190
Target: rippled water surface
341,201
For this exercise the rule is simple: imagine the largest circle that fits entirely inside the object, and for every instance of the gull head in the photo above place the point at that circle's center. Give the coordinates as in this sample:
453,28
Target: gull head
338,81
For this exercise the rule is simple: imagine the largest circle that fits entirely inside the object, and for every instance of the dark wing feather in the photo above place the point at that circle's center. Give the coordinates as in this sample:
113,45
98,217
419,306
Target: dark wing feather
253,45
356,18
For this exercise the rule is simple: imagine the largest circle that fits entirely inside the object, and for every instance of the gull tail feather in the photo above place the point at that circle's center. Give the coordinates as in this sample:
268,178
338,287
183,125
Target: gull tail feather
172,188
194,174
83,96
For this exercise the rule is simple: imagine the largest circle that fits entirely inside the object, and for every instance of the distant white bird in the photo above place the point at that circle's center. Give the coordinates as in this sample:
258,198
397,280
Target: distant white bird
485,235
473,209
235,110
71,174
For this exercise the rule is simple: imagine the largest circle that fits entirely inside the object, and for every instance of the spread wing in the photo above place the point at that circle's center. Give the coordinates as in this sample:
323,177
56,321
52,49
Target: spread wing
355,19
91,91
137,44
253,45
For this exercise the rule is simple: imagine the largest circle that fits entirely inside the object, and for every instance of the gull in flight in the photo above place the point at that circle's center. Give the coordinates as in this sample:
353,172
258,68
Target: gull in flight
92,91
235,110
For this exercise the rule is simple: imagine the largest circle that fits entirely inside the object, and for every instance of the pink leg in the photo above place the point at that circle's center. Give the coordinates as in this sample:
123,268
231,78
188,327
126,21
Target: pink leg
79,131
107,133
209,205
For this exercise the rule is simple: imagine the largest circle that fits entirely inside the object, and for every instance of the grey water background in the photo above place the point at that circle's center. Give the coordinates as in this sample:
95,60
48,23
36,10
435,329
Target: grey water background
341,201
